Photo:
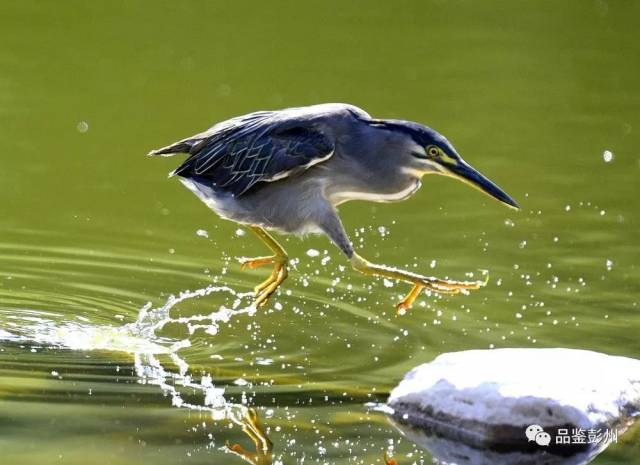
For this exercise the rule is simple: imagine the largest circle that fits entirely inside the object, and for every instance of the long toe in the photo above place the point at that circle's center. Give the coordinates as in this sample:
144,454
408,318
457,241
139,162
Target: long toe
259,289
443,284
406,303
444,290
267,288
465,284
239,451
262,297
253,263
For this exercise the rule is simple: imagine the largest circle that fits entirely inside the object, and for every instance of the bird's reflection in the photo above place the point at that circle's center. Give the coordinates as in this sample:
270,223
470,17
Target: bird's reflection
388,460
263,455
141,339
252,427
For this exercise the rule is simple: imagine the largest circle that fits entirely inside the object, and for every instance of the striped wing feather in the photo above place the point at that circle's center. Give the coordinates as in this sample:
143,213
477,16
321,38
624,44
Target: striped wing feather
259,147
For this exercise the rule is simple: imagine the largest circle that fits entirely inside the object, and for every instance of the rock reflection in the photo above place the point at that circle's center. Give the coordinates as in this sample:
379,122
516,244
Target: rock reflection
449,452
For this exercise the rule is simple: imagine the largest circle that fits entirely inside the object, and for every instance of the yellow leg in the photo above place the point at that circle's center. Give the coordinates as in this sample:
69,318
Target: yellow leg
279,261
420,282
264,447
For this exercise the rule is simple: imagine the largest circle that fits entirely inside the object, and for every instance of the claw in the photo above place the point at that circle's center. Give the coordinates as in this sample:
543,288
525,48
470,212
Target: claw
441,286
265,289
485,273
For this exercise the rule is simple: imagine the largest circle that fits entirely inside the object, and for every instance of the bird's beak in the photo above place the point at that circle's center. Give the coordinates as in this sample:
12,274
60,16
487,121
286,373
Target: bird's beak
463,171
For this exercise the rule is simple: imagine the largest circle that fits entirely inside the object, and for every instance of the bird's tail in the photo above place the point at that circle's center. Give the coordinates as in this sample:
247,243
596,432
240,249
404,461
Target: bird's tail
179,147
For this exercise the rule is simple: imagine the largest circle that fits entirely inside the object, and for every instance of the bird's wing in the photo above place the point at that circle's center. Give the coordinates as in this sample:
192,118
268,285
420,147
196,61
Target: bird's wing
259,147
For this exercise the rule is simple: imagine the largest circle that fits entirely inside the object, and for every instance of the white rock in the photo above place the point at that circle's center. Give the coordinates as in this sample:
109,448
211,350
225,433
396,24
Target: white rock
7,336
489,397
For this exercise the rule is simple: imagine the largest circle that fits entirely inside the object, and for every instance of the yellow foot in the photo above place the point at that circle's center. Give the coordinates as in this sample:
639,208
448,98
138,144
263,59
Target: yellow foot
280,272
264,448
440,286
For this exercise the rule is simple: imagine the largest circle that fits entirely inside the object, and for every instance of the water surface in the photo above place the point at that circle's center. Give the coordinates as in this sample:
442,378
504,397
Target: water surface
92,232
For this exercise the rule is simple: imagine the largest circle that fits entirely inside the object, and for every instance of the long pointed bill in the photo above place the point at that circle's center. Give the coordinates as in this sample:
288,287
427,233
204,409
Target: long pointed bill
465,172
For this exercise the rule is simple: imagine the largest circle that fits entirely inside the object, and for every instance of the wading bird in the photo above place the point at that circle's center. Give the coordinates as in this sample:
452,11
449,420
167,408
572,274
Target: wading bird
288,170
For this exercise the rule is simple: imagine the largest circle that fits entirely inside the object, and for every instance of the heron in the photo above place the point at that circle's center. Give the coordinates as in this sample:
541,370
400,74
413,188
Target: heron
289,170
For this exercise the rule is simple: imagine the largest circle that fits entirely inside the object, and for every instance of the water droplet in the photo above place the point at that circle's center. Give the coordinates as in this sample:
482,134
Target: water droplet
202,233
607,156
240,232
224,90
313,253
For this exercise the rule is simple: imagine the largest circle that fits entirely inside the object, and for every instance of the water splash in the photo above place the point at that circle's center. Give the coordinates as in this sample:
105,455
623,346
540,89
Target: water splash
141,339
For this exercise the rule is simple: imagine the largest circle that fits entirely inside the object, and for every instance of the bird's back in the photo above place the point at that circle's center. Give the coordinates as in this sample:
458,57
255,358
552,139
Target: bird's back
263,146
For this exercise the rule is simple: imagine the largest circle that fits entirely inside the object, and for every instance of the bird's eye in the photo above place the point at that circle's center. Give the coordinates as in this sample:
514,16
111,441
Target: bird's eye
433,151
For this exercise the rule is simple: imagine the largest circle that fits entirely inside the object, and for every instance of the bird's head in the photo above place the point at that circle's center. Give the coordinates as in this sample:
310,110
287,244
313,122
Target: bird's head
425,151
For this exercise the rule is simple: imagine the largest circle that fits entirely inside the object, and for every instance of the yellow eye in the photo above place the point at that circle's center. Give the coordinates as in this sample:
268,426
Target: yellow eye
433,151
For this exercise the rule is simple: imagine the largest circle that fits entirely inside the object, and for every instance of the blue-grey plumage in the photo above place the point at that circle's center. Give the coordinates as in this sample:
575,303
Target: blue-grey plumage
288,170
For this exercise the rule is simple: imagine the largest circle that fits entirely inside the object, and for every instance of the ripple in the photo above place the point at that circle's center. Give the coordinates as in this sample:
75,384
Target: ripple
80,298
80,319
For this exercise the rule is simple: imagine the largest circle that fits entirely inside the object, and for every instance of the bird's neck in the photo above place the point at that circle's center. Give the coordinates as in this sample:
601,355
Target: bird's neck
387,189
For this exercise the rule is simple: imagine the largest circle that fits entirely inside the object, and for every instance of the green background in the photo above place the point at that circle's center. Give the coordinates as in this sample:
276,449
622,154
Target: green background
531,93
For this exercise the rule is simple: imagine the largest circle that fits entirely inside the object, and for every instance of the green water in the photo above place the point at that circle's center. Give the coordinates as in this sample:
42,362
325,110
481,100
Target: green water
531,93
